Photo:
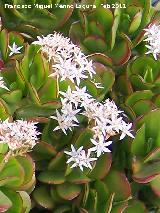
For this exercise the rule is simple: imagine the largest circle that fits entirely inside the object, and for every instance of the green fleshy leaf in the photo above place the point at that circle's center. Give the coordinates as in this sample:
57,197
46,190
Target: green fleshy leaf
117,14
141,107
90,41
33,94
43,151
12,177
49,91
26,201
135,206
76,32
28,166
155,185
62,209
138,147
151,121
104,201
118,208
101,58
39,70
139,95
4,44
153,155
42,196
121,52
77,176
147,172
58,163
104,16
84,138
68,191
12,97
117,183
135,22
51,177
15,198
102,167
5,202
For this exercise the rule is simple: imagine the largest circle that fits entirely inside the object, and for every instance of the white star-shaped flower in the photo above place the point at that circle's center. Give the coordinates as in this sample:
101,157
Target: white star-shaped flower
14,49
152,34
100,146
79,158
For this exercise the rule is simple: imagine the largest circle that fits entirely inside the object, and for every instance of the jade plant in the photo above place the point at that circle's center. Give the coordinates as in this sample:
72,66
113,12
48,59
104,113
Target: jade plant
79,110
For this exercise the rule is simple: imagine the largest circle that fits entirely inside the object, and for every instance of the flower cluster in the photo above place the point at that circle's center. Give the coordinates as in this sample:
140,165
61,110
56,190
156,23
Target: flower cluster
20,136
80,158
68,62
153,38
104,119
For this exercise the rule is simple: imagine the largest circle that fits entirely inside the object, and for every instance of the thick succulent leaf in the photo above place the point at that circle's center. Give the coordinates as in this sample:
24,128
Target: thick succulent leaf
104,16
33,94
42,196
104,198
4,110
29,187
135,23
68,191
12,174
155,185
63,14
102,167
28,167
119,208
43,151
135,206
91,88
12,97
147,172
39,70
84,138
26,201
15,198
91,202
33,110
5,202
117,14
90,41
49,91
76,33
101,58
58,163
51,177
139,95
117,183
62,209
123,85
55,196
121,52
77,176
153,155
151,121
107,77
141,107
4,40
138,146
139,83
